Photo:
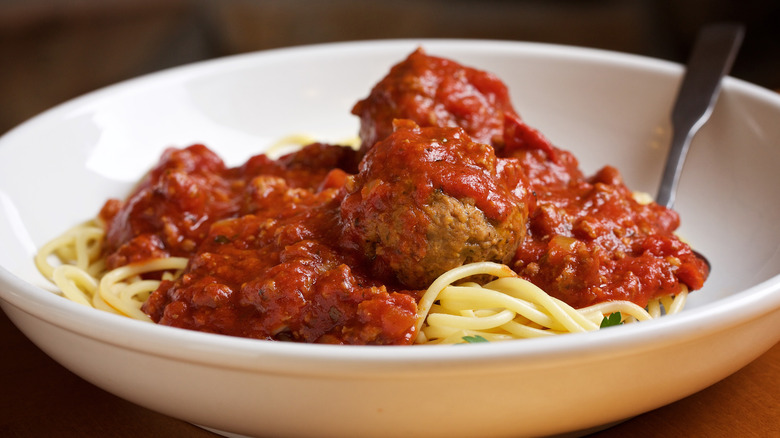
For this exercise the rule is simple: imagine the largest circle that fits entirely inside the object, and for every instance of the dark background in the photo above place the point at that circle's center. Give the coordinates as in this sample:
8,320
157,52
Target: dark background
54,50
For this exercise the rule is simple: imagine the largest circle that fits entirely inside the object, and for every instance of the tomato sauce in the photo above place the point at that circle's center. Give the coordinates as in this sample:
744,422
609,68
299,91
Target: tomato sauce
313,246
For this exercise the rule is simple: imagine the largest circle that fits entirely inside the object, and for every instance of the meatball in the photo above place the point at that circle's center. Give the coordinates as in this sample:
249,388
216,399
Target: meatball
430,199
434,91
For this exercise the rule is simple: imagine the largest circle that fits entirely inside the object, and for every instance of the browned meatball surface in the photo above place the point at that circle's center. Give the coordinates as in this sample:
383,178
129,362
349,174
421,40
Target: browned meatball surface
427,200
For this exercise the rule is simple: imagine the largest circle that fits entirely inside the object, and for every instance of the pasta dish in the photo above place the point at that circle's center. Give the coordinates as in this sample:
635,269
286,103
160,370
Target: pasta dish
451,221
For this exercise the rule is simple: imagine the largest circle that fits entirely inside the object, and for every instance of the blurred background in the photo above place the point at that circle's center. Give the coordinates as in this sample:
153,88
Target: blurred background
54,50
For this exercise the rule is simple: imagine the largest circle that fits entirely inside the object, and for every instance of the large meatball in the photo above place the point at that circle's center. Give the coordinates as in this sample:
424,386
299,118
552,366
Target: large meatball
427,200
434,91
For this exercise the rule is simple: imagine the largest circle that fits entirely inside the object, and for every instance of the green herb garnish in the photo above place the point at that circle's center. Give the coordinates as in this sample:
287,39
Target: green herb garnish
221,239
474,339
611,319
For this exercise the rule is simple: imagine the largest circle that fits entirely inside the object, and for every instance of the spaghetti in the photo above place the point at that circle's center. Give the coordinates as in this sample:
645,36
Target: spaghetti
81,275
449,312
513,308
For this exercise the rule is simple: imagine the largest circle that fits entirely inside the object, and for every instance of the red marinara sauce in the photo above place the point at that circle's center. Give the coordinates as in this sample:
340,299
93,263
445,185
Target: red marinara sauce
264,262
590,241
333,245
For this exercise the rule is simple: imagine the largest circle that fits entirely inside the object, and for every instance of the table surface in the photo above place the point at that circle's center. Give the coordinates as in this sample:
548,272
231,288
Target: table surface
41,398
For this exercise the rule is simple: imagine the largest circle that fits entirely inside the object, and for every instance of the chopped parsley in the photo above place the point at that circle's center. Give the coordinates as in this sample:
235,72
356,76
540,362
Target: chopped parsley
221,239
611,319
474,339
335,314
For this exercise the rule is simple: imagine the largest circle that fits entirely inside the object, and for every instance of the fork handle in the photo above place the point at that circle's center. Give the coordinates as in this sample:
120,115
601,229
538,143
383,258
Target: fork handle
712,56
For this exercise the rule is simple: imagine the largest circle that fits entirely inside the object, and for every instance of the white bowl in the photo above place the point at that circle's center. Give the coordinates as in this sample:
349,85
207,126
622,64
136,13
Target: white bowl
608,108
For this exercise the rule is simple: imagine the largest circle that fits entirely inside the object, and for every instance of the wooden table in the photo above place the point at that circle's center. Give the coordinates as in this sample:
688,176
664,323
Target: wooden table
40,398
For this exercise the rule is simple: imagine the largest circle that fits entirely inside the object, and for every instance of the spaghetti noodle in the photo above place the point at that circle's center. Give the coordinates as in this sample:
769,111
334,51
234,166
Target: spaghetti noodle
81,275
513,308
449,312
